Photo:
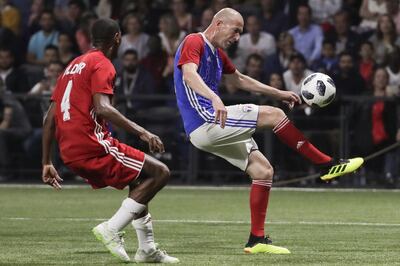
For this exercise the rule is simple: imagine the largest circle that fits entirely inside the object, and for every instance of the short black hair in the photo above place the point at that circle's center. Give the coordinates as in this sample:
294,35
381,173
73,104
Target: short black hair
7,50
78,3
130,52
346,53
255,57
298,56
330,42
103,31
51,47
48,12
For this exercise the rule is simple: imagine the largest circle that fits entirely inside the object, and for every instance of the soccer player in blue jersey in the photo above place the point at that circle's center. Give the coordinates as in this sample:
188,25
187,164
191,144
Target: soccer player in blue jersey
227,131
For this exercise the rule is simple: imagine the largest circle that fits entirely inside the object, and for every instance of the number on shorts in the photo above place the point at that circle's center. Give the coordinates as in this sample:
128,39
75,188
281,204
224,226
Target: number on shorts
65,105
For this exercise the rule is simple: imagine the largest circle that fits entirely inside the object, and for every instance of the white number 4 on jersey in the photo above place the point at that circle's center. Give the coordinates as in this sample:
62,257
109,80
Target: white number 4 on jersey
65,105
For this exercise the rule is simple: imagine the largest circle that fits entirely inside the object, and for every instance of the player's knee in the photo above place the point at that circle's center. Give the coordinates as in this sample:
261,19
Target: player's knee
164,174
264,173
278,115
271,115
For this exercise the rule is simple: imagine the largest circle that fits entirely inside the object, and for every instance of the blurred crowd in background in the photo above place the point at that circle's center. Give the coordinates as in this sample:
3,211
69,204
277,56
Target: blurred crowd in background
356,42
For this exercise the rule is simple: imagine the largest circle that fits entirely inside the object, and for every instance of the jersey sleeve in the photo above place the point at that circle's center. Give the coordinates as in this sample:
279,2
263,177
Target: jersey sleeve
191,50
228,66
102,79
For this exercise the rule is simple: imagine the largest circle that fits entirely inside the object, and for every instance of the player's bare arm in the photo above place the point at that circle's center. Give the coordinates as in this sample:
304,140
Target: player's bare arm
103,108
244,82
49,173
193,79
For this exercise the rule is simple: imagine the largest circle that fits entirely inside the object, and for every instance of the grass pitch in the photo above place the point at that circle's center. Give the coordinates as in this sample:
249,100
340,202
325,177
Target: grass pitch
40,226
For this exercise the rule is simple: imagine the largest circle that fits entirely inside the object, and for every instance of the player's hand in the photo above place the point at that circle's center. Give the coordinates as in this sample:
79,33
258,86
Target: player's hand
50,176
155,143
289,98
220,111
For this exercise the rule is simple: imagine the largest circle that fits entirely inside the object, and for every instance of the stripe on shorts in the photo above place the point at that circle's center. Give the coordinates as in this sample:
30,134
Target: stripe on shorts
210,118
112,150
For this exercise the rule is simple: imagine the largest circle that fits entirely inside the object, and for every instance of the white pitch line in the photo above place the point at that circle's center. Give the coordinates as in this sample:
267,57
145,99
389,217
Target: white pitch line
188,221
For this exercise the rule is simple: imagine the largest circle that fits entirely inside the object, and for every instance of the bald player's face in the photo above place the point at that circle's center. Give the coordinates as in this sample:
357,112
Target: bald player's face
229,32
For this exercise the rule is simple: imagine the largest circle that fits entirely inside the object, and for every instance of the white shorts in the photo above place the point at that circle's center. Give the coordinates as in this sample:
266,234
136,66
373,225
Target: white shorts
234,143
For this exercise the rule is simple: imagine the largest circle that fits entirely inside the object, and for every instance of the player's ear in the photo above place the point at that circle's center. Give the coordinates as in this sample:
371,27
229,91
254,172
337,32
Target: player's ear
117,37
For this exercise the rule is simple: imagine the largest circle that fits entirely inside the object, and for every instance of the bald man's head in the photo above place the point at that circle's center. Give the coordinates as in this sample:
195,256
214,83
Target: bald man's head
226,14
225,28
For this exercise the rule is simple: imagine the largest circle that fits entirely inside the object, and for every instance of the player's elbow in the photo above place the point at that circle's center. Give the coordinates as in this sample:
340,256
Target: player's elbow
102,110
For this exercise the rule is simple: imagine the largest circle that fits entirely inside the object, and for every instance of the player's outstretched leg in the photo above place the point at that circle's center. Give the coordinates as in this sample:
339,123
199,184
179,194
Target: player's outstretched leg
261,172
154,177
284,129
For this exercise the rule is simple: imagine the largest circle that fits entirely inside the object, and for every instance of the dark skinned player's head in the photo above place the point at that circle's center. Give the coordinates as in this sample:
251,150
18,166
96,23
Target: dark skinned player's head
106,36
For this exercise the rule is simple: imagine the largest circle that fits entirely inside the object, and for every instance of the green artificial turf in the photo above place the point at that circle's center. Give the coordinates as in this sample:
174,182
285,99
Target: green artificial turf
40,226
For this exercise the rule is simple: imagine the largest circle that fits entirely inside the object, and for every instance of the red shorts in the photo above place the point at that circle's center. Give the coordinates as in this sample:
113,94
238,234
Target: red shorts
116,169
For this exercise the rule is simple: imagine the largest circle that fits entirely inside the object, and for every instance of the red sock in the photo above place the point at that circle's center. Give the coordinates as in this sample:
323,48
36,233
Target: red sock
292,137
259,194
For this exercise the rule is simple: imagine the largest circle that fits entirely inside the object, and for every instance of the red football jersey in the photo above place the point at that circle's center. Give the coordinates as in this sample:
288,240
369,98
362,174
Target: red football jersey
79,132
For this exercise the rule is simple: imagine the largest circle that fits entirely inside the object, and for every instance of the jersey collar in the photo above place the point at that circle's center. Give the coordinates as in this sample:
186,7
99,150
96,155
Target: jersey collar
208,42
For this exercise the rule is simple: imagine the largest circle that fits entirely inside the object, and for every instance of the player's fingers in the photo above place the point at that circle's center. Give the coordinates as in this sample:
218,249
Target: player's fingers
217,114
297,98
161,146
223,118
57,177
55,184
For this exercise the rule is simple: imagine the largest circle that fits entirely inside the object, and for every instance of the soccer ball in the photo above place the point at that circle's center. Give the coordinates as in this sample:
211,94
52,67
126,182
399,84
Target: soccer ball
318,90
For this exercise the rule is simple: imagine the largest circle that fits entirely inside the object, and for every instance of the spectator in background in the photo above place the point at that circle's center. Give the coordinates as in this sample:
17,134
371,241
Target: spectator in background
47,85
367,64
273,20
276,80
133,38
155,62
14,129
254,41
11,17
345,39
131,81
12,79
47,35
51,54
82,34
307,36
206,18
370,11
352,7
376,125
385,38
323,11
182,16
328,61
7,38
347,79
394,12
65,48
279,61
75,10
254,66
393,70
37,7
170,34
296,73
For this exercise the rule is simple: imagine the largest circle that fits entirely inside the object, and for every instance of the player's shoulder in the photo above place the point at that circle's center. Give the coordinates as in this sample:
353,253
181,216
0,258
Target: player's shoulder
194,38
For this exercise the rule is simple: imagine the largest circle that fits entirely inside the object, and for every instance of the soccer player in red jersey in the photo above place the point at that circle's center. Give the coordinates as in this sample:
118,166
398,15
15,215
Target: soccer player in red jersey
77,118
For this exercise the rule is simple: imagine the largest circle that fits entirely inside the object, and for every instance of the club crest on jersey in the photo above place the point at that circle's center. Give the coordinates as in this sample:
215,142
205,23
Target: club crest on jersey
74,69
247,108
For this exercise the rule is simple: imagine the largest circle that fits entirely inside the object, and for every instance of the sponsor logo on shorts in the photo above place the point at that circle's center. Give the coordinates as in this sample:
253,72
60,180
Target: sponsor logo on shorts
247,108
